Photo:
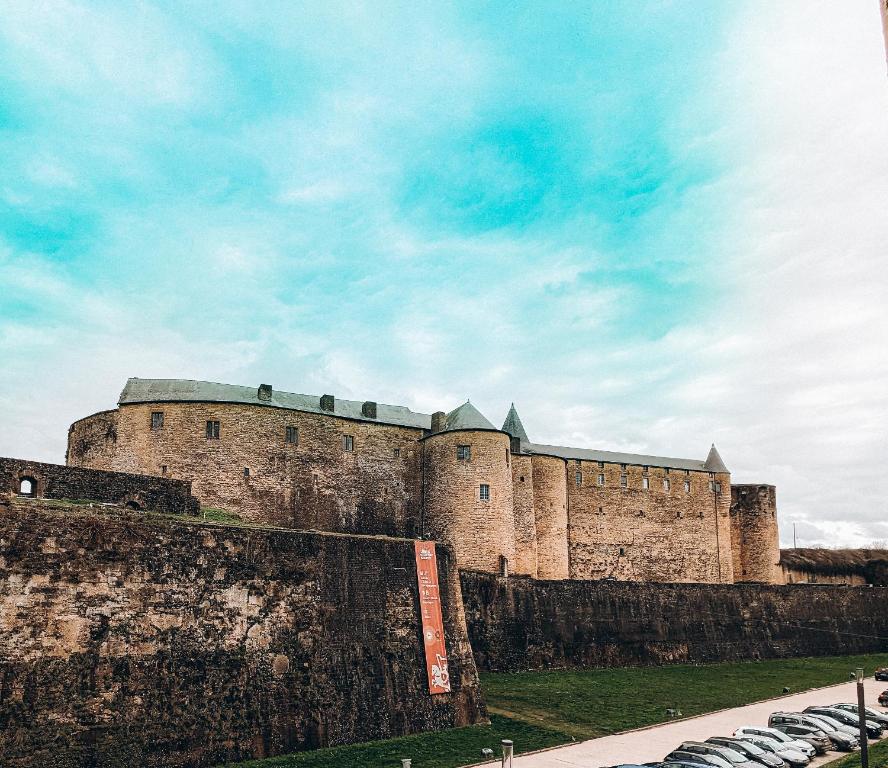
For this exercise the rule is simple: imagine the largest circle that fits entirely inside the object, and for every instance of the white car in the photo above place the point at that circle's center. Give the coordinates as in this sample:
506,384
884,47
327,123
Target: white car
794,757
772,733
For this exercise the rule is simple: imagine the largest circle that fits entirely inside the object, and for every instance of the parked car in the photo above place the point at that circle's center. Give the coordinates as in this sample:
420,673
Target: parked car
761,756
870,713
882,673
735,758
883,698
842,736
813,736
682,756
772,733
793,757
873,730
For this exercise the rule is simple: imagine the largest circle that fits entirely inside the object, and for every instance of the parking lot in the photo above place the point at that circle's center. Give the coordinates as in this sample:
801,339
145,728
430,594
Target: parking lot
654,743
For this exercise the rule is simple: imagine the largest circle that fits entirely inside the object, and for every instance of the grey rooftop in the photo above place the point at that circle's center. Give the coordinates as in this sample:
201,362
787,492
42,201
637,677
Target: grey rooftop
466,416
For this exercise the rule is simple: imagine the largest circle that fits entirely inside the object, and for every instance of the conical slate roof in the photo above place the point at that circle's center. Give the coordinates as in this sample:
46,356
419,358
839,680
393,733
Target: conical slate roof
513,425
467,416
714,462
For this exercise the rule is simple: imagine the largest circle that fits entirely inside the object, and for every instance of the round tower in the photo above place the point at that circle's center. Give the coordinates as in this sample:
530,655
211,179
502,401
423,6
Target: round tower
522,497
550,511
755,538
468,490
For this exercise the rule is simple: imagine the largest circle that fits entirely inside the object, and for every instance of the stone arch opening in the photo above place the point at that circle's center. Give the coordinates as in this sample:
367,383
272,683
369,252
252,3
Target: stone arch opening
27,486
134,505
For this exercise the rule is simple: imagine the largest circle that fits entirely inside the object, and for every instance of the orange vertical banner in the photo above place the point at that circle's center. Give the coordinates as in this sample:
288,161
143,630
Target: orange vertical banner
432,621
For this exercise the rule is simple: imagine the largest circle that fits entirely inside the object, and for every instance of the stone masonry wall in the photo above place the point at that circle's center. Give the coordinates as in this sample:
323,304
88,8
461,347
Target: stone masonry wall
480,531
54,481
629,532
523,624
755,540
550,510
525,518
144,641
312,484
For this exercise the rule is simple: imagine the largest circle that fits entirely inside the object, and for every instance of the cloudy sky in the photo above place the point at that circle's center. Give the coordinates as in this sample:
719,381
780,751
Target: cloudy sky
653,225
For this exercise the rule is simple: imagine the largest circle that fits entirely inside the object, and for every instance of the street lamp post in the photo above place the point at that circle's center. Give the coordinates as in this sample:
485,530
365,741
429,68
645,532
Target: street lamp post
861,715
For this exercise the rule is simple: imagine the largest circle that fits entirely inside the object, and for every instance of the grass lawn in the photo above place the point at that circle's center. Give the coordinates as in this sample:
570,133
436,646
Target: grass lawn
878,757
543,709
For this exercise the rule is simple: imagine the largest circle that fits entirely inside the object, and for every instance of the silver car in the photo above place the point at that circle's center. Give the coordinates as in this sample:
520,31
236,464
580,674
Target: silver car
790,743
789,755
737,759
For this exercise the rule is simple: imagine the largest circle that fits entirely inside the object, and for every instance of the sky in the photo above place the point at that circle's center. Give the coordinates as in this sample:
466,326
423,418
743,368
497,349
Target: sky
653,225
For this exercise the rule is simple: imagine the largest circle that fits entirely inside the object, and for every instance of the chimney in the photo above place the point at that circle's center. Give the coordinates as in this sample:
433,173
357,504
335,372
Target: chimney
264,392
328,403
438,419
368,409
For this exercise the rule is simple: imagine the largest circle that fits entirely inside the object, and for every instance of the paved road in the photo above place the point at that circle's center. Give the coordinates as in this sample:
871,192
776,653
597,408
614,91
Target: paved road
653,743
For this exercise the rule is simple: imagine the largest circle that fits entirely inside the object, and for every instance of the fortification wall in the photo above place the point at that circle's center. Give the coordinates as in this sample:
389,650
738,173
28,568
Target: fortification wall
521,624
755,540
525,518
54,481
126,641
632,532
550,512
251,470
796,576
480,531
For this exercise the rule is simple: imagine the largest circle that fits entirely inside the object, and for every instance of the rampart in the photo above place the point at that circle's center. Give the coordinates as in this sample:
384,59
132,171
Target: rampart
522,624
131,639
54,481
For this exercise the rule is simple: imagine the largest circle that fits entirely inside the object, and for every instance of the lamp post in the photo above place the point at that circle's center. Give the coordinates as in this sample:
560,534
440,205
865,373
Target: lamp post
507,753
861,715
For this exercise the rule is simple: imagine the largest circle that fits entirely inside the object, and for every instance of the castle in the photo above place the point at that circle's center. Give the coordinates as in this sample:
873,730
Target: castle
503,503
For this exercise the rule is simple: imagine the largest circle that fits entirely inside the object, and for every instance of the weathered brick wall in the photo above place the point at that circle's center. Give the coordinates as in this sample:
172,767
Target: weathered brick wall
550,511
520,623
755,540
648,534
525,518
92,441
479,531
137,641
795,576
314,484
55,481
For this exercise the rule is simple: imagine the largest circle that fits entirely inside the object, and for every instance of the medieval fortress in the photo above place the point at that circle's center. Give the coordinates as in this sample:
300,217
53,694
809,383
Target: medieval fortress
504,504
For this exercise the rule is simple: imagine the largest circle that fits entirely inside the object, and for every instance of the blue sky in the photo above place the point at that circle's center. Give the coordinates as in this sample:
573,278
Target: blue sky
650,224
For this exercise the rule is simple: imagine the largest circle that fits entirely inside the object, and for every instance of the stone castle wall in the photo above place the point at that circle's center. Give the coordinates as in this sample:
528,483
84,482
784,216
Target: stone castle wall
754,536
525,517
134,641
251,470
550,511
632,532
54,481
523,624
480,531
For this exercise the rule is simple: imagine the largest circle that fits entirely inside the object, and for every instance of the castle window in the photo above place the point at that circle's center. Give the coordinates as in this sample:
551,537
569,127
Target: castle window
687,473
212,430
577,462
521,478
666,470
292,436
624,481
157,420
246,473
579,479
711,485
396,453
601,479
645,482
623,467
645,468
601,465
508,459
601,510
463,452
348,443
666,484
622,551
27,486
515,444
718,487
687,486
163,469
484,492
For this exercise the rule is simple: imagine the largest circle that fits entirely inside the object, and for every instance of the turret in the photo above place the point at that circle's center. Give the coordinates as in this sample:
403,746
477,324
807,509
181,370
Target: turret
522,497
755,536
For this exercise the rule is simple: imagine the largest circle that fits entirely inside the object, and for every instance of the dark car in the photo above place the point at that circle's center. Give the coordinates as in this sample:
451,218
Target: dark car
733,756
710,761
749,749
873,730
883,698
814,736
868,712
882,673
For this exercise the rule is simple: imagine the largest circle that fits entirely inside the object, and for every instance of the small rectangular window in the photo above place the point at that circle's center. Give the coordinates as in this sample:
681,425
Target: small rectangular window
623,467
157,420
624,481
666,484
601,510
348,443
645,468
396,453
645,482
212,430
246,472
163,469
577,462
601,465
601,479
484,492
666,470
718,487
463,452
687,486
579,479
292,436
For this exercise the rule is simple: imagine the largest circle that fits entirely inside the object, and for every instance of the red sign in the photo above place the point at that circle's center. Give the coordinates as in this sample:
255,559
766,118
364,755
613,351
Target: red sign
432,622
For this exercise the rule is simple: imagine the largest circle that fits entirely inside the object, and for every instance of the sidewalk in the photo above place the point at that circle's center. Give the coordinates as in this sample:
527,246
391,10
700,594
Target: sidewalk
655,742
